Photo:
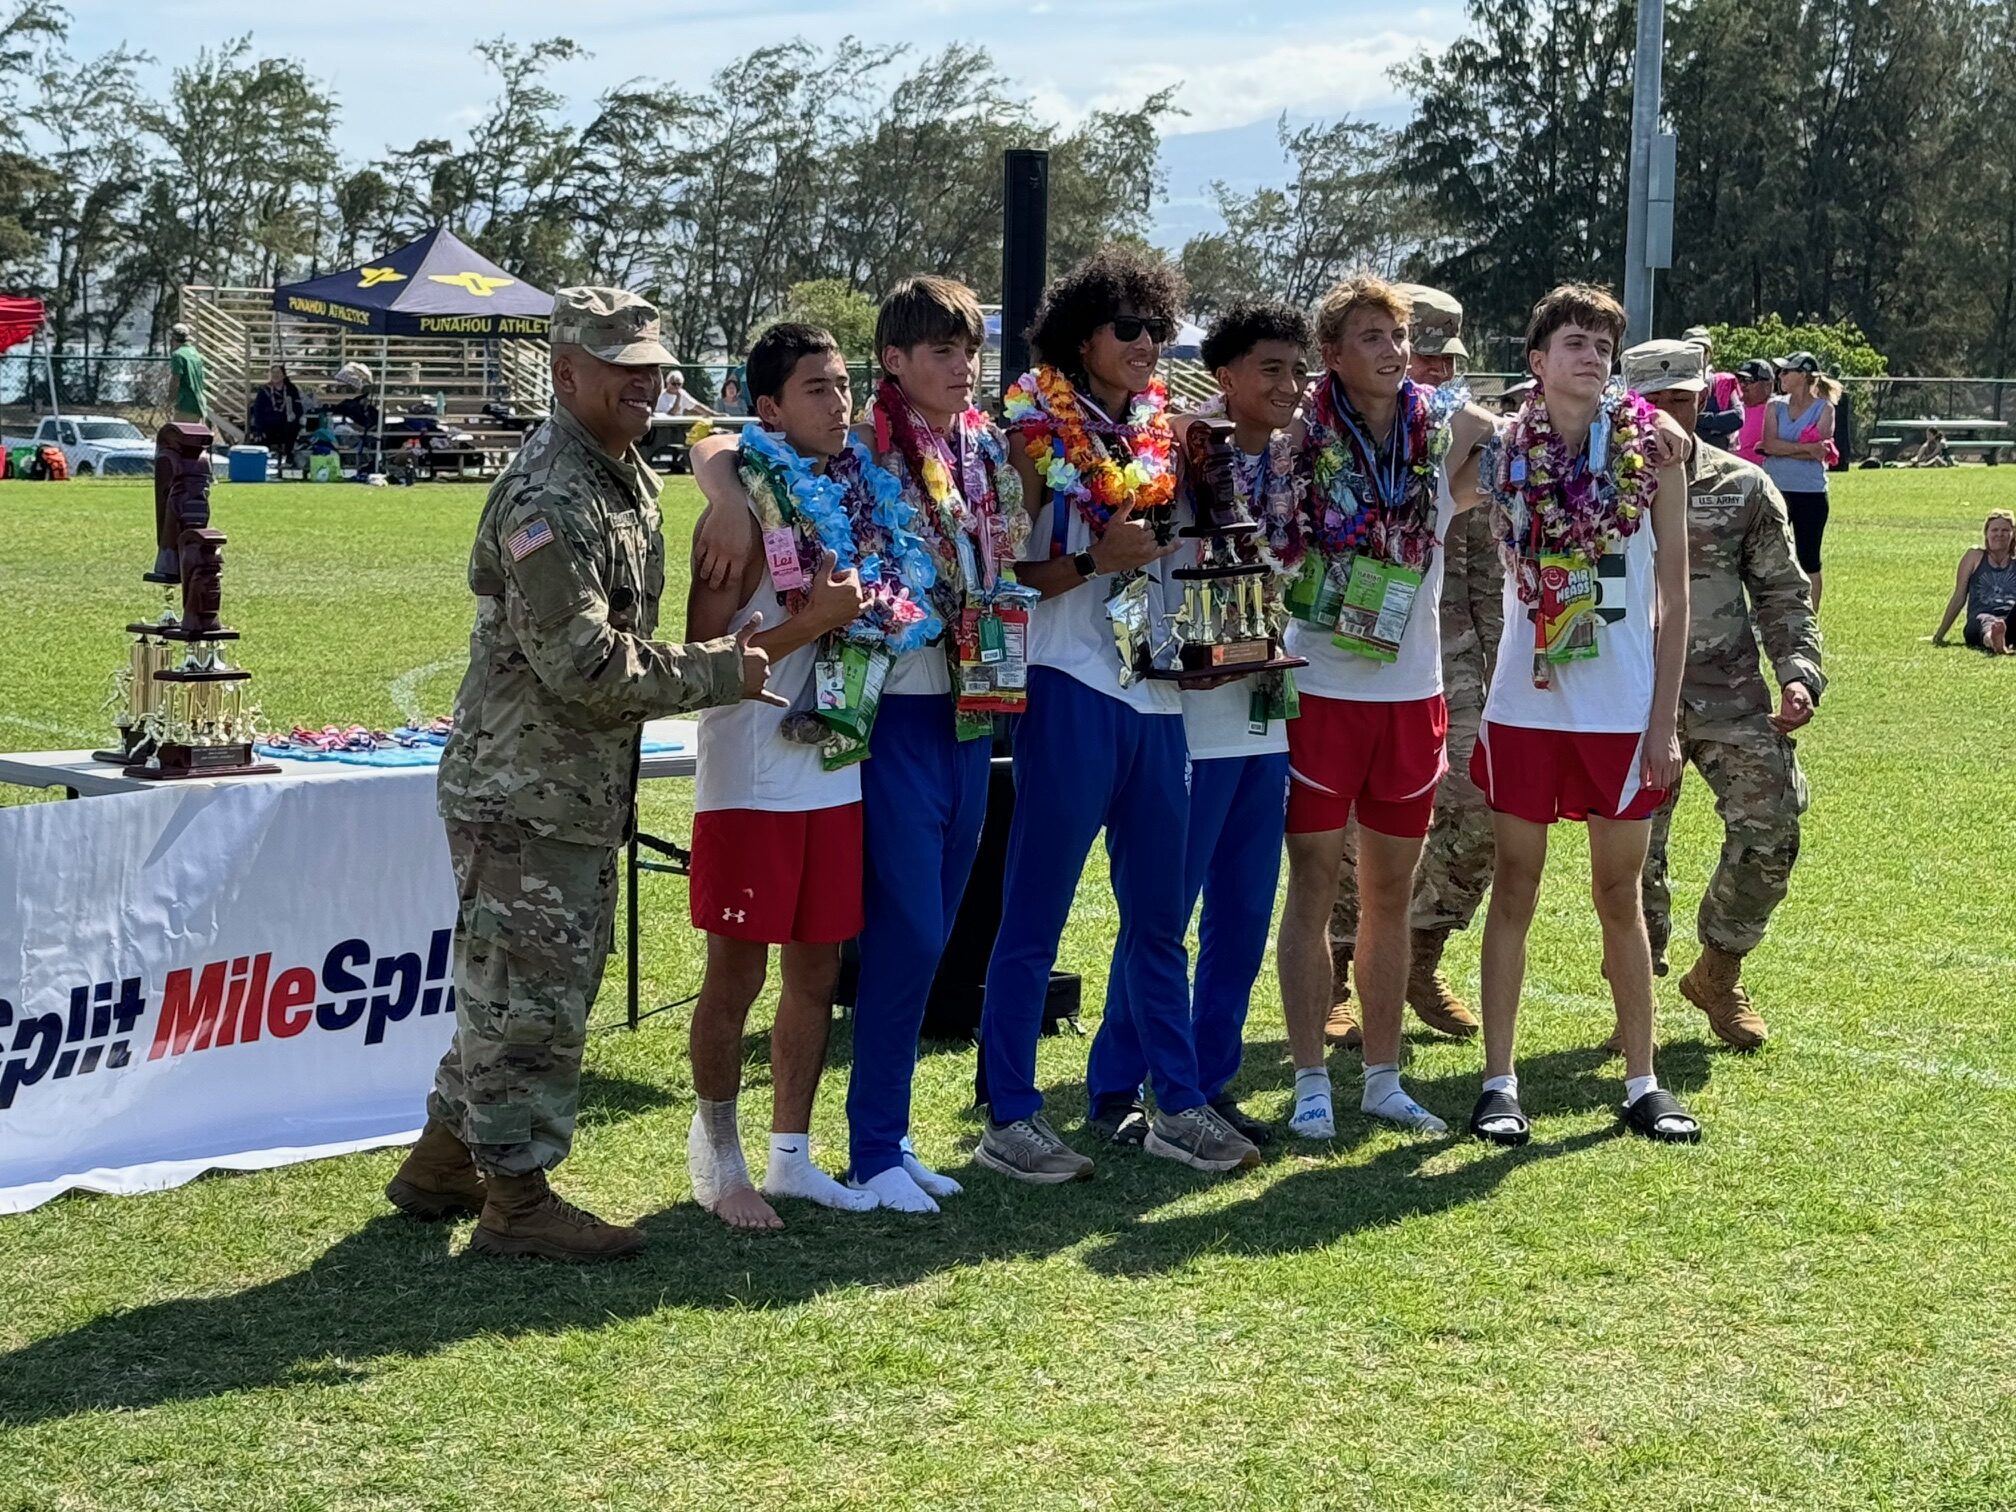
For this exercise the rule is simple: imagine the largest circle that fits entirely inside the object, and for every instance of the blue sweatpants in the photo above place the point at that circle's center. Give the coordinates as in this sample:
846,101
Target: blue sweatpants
1083,761
923,797
1232,856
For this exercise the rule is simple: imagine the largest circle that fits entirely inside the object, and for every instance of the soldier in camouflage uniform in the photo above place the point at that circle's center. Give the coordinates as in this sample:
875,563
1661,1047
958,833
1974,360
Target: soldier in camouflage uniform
1746,587
538,780
1457,859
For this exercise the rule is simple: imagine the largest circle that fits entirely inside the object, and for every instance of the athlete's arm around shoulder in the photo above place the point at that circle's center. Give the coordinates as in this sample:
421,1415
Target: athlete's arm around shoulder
1469,428
722,548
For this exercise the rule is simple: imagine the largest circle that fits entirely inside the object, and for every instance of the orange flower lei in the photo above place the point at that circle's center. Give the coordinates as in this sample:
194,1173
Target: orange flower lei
1044,410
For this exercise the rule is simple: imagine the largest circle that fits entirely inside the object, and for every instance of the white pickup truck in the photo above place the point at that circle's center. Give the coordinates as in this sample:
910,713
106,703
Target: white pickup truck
94,445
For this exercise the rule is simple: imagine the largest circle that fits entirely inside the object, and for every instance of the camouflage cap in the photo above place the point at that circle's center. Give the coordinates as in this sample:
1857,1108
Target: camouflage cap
1437,321
1699,336
1654,366
612,324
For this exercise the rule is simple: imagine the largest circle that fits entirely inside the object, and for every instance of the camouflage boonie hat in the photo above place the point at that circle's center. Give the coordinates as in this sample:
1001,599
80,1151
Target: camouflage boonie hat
1698,336
1437,321
1654,366
612,324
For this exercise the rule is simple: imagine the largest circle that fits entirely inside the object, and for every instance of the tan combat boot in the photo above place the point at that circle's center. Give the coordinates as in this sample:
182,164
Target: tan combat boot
524,1216
1341,1028
1715,987
438,1180
1428,991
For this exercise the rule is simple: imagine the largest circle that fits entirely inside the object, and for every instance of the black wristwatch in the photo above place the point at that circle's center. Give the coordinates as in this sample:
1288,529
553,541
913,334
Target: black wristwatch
1087,568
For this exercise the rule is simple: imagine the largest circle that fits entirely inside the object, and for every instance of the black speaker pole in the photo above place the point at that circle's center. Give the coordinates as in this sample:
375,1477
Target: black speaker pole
1025,252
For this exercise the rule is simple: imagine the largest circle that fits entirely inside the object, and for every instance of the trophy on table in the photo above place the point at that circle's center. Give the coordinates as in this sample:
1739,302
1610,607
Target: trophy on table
183,711
1226,624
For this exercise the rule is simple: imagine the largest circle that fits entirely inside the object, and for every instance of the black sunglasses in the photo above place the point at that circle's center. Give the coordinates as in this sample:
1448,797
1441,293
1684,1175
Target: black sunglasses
1129,328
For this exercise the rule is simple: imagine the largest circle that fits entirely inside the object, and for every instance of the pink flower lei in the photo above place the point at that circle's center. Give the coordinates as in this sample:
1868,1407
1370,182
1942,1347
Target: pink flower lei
1549,500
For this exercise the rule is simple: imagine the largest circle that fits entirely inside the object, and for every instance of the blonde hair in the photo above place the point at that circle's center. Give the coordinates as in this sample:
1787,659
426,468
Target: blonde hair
1359,291
1819,384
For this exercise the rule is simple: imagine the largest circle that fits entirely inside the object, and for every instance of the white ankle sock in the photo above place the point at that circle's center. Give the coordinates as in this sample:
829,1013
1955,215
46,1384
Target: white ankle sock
1384,1098
933,1182
1636,1087
792,1174
894,1189
714,1153
1508,1084
1314,1117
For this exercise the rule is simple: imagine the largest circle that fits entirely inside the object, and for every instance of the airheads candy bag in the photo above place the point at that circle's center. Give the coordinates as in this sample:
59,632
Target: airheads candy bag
1565,617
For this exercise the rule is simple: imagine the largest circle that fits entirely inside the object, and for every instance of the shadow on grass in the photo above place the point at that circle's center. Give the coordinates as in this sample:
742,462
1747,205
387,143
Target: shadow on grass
400,1288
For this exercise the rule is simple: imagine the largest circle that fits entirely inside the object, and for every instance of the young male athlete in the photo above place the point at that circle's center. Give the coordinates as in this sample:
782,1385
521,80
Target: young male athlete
1581,720
924,786
1392,464
1259,354
1099,747
776,833
1455,867
1746,588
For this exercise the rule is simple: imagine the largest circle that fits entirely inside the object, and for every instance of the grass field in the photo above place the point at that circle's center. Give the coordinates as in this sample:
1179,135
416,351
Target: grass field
1815,1309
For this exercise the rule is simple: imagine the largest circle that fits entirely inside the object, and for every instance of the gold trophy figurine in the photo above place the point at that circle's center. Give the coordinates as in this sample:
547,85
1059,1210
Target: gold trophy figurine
1225,630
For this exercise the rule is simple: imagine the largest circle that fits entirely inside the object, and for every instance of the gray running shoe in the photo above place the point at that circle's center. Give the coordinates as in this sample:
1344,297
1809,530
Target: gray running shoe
1199,1137
1029,1150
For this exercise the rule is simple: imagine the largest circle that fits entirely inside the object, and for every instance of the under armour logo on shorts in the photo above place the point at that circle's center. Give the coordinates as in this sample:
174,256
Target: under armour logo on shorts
734,916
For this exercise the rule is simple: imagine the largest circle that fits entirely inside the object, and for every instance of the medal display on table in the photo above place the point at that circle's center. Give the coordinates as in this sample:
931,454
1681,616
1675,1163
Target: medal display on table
184,711
1226,624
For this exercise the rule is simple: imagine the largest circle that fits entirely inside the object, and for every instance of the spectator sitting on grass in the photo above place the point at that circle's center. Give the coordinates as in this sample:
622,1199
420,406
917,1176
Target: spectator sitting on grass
1986,587
1933,453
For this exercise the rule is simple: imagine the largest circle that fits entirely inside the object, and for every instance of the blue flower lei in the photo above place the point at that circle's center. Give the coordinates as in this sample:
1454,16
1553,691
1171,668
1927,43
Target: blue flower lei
857,511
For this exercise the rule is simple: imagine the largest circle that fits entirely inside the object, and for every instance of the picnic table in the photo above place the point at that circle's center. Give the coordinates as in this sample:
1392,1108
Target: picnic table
1987,437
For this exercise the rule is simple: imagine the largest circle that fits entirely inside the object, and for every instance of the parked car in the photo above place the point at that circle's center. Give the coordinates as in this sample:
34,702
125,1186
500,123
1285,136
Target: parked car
93,445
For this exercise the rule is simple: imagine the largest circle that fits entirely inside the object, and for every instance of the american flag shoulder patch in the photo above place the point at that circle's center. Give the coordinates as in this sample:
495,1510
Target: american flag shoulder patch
528,539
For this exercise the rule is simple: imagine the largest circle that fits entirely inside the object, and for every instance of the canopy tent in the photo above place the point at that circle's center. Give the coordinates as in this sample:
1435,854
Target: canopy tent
19,319
435,286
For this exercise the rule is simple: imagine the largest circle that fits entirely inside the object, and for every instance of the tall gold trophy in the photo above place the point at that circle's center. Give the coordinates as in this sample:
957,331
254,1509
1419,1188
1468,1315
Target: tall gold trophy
1227,624
183,710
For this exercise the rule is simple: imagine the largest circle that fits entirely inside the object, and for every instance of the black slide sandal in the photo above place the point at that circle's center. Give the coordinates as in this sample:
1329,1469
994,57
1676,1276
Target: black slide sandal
1643,1116
1497,1107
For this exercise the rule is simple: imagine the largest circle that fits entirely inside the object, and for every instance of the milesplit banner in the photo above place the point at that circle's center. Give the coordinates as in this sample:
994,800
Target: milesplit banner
226,977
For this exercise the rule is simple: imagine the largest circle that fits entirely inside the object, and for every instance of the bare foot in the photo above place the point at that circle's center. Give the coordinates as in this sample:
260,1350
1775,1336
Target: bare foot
744,1208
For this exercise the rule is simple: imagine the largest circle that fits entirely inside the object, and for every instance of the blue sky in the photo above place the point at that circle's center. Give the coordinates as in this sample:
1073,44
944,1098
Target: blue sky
403,71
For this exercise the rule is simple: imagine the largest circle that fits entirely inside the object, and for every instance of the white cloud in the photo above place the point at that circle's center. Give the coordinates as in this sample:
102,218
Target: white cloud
1303,78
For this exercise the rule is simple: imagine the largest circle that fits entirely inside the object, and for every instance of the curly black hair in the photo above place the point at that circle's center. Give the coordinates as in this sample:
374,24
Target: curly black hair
1246,325
1113,279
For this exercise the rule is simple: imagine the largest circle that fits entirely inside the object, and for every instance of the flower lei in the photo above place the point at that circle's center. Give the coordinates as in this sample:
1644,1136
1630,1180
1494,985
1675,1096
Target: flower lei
1044,410
1346,513
857,511
981,500
1547,502
1270,493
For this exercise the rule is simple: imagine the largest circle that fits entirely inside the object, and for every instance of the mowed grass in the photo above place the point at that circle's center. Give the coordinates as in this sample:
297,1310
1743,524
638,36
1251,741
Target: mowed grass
1814,1309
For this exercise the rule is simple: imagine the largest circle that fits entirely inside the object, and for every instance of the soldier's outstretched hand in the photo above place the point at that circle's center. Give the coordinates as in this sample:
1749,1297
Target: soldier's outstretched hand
756,665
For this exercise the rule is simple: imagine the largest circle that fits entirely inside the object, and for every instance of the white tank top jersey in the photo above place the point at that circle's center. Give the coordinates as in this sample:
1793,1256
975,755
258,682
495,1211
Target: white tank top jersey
1609,694
1416,671
743,762
1216,720
1071,633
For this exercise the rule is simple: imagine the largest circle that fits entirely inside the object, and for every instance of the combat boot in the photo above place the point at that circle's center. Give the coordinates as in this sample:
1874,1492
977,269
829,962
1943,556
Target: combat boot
1715,986
1341,1028
437,1180
1428,991
524,1216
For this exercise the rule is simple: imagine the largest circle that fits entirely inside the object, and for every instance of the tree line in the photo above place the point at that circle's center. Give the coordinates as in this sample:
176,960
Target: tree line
1839,160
